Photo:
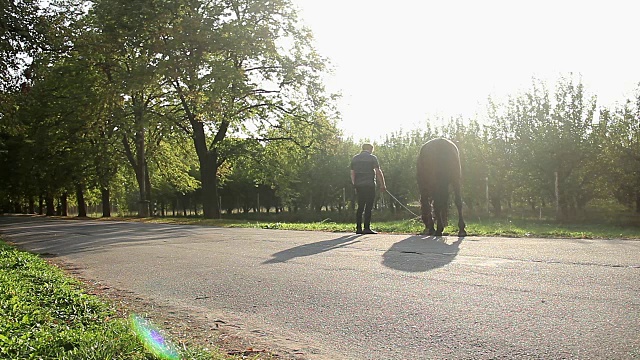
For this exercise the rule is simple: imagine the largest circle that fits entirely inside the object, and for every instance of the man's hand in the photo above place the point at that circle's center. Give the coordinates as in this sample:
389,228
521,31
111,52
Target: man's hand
383,188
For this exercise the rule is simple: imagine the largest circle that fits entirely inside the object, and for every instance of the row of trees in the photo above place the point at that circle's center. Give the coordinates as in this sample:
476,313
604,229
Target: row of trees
125,86
220,105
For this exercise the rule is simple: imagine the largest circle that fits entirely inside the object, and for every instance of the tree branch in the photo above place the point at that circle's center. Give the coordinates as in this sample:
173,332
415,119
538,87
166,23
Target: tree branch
254,106
222,132
263,68
128,152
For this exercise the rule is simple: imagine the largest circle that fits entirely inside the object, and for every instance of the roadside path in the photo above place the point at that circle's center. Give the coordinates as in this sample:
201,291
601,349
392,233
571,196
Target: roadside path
320,295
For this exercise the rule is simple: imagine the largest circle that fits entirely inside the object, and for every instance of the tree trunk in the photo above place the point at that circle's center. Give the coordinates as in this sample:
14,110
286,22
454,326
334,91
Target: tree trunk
40,205
564,212
208,158
106,202
147,185
82,205
17,207
51,210
32,205
64,204
638,203
208,175
496,203
174,206
563,206
184,206
138,160
564,202
141,174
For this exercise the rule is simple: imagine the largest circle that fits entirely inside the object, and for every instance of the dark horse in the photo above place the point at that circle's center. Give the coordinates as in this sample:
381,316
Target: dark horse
438,167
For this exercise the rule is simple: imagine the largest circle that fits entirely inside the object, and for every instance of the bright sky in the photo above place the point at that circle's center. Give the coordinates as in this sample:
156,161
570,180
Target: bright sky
400,62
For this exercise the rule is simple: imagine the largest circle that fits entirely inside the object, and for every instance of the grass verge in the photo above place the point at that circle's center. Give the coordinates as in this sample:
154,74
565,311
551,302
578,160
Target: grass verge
44,314
504,227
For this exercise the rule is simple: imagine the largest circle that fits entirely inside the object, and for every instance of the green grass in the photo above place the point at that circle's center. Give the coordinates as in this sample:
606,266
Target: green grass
504,228
607,225
546,229
45,314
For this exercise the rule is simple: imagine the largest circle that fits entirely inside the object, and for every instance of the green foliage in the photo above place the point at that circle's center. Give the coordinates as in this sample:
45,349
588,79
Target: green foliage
621,129
25,32
397,156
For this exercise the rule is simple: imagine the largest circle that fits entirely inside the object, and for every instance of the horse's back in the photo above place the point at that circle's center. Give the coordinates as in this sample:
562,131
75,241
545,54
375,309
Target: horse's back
439,154
438,161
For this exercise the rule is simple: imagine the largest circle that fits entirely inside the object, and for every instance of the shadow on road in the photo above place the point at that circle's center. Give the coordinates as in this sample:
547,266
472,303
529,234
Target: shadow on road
421,253
47,236
312,249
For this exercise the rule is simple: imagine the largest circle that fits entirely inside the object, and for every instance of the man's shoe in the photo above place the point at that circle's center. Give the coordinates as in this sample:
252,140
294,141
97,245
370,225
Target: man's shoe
368,231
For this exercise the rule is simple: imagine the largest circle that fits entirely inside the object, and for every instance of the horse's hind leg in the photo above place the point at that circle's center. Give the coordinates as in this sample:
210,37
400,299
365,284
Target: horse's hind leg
458,200
427,216
439,220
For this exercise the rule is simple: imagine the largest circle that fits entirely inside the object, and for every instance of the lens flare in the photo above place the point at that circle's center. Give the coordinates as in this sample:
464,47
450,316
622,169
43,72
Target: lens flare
152,339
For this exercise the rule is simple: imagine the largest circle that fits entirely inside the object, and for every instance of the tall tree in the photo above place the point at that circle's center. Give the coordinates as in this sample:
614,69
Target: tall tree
569,143
27,28
239,68
623,147
530,116
126,48
499,153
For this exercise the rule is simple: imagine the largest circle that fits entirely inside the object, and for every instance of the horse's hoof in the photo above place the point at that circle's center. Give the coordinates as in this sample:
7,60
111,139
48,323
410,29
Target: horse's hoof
428,232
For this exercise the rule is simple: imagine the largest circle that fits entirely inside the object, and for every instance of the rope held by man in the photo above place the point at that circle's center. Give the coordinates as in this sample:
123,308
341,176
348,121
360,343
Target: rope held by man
401,204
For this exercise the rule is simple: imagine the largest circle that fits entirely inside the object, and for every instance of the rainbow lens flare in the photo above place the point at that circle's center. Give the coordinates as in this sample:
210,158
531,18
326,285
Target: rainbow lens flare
152,339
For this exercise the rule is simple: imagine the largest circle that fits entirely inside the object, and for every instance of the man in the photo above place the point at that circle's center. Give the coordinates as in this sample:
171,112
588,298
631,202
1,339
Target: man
364,171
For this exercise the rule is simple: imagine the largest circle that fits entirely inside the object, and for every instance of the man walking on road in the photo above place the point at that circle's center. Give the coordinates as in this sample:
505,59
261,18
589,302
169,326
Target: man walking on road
364,171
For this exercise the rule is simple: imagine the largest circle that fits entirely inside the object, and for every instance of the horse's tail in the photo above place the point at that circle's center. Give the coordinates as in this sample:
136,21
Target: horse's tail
441,199
421,173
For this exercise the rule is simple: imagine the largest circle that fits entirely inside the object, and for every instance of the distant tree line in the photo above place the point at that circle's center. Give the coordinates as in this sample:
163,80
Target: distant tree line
215,107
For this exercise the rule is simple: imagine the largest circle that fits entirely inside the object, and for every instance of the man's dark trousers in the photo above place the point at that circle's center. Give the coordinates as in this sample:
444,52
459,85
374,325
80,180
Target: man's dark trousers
366,195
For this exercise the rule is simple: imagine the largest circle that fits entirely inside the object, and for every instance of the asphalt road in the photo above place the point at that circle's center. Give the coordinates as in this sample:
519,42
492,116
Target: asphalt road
346,296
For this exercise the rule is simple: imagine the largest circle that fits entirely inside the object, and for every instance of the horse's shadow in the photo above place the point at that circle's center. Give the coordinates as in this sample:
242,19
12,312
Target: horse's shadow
421,253
312,249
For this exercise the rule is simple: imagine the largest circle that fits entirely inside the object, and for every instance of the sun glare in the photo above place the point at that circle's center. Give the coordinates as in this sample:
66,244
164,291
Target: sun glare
399,63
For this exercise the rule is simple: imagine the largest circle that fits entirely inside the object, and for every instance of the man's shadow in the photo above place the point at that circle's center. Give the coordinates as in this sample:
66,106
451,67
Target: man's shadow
421,253
312,249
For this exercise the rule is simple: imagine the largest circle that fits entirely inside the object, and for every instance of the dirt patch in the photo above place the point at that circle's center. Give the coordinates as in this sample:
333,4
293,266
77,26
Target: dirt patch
183,326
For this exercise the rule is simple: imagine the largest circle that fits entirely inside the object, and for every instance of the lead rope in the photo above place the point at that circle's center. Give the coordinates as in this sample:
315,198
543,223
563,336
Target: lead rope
401,204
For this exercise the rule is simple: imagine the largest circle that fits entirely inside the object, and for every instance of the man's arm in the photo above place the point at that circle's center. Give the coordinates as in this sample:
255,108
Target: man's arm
353,177
380,176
